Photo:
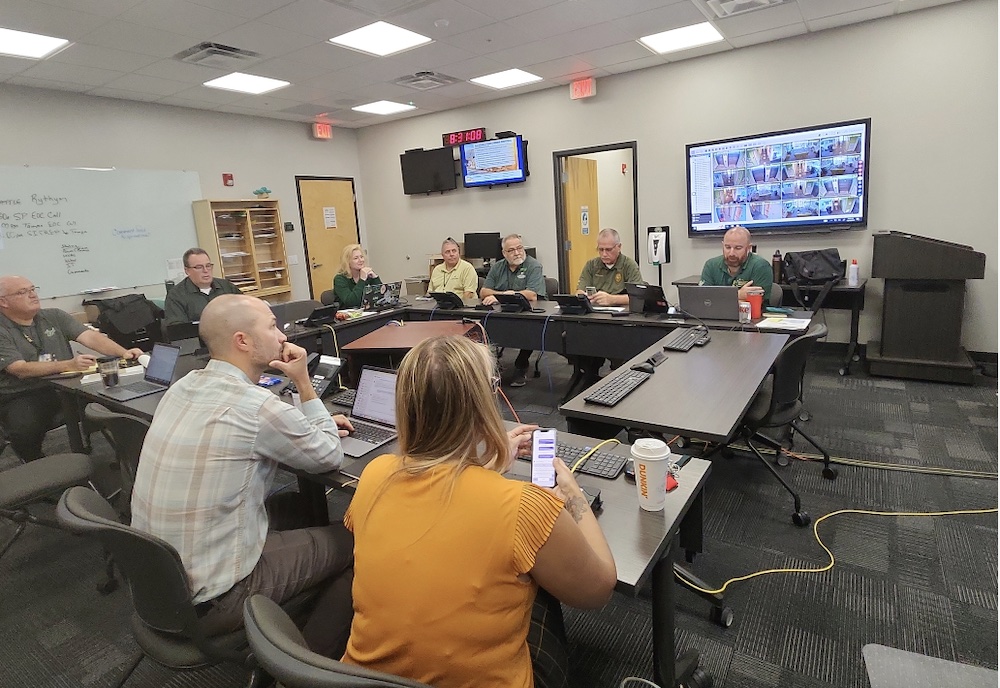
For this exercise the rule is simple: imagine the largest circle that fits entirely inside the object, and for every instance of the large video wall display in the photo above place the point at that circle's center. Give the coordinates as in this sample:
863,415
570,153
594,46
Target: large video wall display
802,180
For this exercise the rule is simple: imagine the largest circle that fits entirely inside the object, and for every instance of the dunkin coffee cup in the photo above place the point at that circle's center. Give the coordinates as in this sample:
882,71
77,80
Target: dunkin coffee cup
108,368
651,458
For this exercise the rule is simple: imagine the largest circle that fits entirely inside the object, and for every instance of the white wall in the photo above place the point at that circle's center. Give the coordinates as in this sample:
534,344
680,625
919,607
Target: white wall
928,80
51,128
614,197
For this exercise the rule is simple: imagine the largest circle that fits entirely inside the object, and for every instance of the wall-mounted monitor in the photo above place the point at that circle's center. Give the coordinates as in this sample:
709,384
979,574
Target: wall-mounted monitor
492,162
485,245
812,179
427,171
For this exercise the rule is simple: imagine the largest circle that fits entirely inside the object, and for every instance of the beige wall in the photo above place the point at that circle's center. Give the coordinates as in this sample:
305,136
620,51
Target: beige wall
614,197
928,80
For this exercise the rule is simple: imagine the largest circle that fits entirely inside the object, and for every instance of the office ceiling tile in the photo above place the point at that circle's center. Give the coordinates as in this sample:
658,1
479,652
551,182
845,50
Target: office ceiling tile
182,17
633,65
317,18
561,67
615,54
787,14
488,39
105,92
48,20
57,71
815,9
54,85
846,18
662,19
765,36
138,39
589,38
328,56
426,57
309,110
700,51
209,95
554,20
251,9
462,89
14,65
104,8
442,18
508,8
608,11
529,53
286,70
910,5
175,70
567,79
191,103
266,102
102,58
148,84
269,41
473,67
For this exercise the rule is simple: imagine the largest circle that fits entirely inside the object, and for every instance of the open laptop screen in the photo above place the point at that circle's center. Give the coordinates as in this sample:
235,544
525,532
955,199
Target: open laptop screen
376,397
162,362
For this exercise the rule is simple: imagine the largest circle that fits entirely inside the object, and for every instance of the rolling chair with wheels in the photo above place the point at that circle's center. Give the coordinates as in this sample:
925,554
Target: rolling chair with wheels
165,624
777,405
281,651
776,296
328,297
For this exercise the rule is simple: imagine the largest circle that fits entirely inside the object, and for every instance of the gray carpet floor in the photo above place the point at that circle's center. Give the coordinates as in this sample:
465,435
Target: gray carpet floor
921,584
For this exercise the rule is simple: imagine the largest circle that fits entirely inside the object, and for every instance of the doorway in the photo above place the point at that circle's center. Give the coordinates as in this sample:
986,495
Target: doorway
595,188
329,215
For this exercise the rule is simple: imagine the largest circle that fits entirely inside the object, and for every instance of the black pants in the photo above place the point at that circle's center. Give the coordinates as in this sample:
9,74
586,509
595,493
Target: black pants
26,417
521,362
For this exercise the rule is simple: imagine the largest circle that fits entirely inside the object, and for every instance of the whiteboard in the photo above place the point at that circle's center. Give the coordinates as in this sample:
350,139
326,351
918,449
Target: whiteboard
75,231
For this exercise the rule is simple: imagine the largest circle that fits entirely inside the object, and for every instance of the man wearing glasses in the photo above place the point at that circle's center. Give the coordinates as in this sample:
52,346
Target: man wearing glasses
188,298
603,278
34,343
517,272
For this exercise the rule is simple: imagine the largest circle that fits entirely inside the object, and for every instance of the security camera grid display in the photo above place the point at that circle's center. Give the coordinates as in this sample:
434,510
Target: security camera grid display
809,176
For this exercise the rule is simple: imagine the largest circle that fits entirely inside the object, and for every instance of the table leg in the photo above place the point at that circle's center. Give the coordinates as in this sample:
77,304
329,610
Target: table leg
852,347
663,621
71,414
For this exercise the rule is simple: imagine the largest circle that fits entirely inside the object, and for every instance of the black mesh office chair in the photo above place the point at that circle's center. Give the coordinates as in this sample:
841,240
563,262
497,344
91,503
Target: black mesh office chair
165,624
778,404
281,651
328,297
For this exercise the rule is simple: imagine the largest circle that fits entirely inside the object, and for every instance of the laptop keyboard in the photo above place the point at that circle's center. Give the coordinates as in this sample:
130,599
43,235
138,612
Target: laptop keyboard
143,386
371,433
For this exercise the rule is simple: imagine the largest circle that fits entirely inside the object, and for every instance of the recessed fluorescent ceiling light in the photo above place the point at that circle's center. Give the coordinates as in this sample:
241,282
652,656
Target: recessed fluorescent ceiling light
508,79
33,45
383,107
246,83
682,38
380,39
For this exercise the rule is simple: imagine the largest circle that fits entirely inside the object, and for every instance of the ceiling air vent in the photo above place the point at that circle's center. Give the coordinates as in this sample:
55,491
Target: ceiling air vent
730,8
217,55
425,81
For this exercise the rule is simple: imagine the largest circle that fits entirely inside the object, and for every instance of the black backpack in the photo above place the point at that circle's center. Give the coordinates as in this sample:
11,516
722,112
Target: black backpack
133,321
823,267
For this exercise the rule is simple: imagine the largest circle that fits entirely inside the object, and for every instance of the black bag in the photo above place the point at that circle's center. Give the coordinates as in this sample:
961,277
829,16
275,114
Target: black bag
133,321
823,267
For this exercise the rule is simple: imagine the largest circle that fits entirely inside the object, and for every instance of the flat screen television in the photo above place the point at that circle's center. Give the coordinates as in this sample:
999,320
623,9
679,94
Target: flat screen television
812,179
427,171
492,162
485,245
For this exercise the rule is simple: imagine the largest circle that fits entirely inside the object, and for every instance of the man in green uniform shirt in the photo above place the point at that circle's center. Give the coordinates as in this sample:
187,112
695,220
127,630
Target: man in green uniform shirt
609,272
738,266
187,299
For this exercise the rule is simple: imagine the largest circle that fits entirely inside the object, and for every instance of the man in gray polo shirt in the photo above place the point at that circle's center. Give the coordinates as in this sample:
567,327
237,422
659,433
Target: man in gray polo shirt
34,343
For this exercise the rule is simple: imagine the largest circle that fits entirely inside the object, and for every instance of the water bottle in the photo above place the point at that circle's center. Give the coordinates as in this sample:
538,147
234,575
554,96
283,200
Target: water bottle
852,273
776,267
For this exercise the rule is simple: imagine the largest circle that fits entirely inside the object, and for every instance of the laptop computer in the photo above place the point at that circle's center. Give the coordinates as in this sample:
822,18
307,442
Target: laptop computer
374,412
159,373
185,335
646,298
379,297
709,303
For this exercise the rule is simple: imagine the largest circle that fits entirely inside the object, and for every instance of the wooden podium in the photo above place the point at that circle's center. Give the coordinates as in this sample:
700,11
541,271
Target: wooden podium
923,307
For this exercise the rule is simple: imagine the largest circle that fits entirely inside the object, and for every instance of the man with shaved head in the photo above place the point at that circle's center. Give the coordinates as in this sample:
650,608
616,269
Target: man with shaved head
207,465
34,343
738,266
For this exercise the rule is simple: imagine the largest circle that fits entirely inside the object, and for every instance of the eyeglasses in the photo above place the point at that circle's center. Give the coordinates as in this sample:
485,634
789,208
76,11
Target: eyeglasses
514,249
206,266
24,292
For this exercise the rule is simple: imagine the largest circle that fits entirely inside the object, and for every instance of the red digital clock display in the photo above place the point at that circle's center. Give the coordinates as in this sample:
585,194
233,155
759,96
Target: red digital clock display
457,138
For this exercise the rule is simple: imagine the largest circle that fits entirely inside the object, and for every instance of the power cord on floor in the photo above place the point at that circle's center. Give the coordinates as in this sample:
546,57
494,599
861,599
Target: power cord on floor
829,565
636,679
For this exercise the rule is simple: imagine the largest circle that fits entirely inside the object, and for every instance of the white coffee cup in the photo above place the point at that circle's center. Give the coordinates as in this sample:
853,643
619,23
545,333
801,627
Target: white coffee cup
651,458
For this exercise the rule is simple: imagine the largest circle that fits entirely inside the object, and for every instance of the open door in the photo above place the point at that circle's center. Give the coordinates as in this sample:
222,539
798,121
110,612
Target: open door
583,217
329,223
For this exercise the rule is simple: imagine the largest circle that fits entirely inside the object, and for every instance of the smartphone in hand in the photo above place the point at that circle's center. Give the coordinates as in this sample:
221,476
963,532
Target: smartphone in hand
543,452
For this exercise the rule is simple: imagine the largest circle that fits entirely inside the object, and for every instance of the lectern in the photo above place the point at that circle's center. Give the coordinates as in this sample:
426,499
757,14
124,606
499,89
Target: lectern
923,307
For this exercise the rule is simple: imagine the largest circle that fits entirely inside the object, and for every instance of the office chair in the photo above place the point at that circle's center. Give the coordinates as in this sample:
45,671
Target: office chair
125,433
777,405
281,651
776,296
328,297
551,287
30,483
165,624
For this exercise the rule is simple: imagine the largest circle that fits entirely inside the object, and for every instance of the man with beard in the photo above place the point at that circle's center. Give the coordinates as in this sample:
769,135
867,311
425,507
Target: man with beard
208,462
516,272
738,266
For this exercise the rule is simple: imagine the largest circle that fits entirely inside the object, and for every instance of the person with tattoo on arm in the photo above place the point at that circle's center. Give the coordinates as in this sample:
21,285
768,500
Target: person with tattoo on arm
441,536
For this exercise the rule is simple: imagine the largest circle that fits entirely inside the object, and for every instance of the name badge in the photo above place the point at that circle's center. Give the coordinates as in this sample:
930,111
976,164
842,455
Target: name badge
46,358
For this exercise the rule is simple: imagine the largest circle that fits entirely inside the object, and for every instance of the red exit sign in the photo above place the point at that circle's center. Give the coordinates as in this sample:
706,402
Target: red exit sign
584,88
322,130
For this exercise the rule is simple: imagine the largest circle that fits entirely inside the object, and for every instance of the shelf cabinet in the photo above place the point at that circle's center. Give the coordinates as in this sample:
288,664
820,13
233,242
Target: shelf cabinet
245,241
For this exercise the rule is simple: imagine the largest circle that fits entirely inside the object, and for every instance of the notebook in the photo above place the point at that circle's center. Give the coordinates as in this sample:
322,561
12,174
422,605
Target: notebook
374,412
709,303
159,373
379,297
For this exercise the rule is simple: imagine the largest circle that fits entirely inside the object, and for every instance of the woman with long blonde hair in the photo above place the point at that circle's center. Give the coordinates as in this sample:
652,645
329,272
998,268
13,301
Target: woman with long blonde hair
452,559
354,275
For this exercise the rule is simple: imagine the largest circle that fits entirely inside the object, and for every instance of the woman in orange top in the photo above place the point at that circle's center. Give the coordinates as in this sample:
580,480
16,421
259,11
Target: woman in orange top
449,554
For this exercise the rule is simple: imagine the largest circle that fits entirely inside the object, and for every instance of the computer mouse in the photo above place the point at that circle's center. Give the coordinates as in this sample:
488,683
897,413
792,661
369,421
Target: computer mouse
644,367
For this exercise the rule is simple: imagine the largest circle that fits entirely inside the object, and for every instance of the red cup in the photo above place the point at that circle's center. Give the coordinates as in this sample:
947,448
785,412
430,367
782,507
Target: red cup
756,299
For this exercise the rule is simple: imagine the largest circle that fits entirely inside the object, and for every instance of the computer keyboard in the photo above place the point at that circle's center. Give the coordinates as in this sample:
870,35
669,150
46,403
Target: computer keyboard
371,433
618,388
344,397
683,338
601,464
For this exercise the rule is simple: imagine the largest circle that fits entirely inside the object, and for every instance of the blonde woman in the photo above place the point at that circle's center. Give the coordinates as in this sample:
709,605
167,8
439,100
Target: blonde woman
354,275
452,559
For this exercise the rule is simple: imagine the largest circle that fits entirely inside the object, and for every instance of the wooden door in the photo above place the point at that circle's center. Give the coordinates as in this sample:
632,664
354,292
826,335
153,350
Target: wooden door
330,222
582,216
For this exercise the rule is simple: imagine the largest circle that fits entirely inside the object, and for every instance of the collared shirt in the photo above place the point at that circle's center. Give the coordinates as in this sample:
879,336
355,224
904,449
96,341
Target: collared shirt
185,301
207,464
754,268
459,279
609,280
528,275
49,333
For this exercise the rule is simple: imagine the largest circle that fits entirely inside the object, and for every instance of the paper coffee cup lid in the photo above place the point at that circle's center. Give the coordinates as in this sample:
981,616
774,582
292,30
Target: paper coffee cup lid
650,448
